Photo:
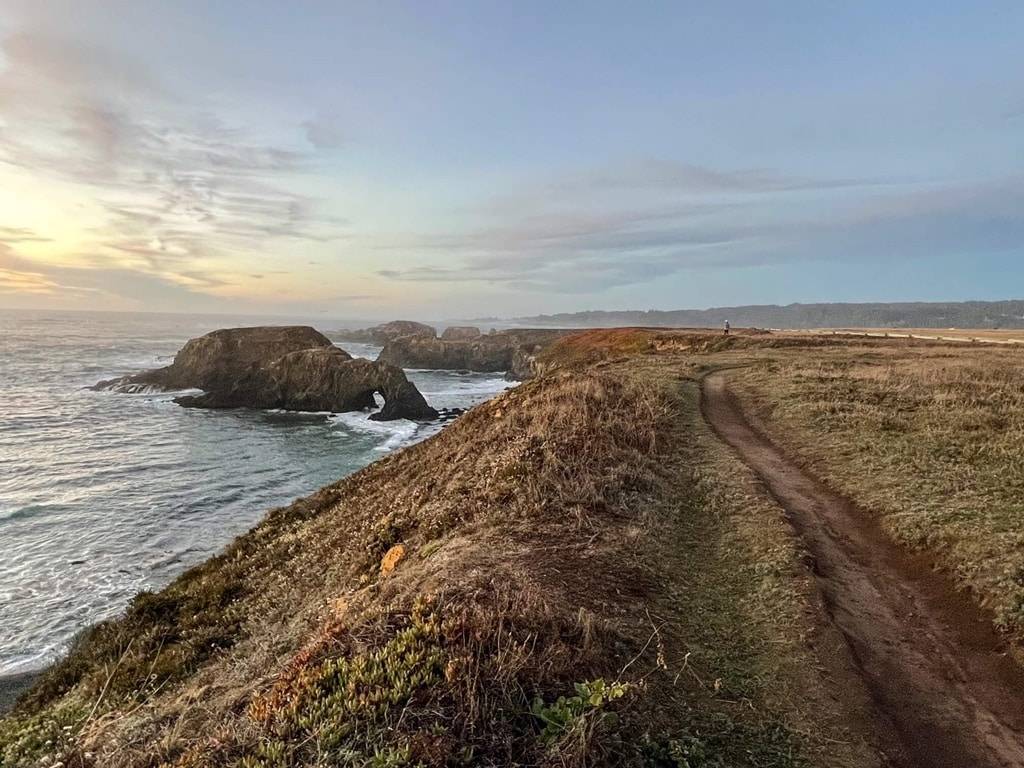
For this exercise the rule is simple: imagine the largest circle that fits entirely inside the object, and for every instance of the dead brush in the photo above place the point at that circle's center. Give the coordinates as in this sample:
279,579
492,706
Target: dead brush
590,439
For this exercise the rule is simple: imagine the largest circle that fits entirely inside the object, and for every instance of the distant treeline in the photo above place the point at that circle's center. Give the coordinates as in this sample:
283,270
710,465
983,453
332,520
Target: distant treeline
964,314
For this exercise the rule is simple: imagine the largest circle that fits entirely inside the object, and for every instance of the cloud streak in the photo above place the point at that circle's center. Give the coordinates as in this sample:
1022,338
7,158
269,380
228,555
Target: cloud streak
178,189
565,252
174,156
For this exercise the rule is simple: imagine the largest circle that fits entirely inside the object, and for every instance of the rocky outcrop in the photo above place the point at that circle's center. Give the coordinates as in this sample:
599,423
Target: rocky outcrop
488,354
523,365
382,334
220,358
512,351
461,333
527,360
294,369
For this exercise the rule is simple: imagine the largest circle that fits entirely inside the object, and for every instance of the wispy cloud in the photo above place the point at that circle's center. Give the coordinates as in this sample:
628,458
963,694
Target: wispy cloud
569,251
179,190
654,173
1015,112
18,276
325,132
21,235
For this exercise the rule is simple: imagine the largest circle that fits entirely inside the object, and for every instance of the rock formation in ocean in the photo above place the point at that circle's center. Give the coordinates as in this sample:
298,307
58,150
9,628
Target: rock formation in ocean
294,368
409,344
523,365
461,333
382,334
512,351
487,354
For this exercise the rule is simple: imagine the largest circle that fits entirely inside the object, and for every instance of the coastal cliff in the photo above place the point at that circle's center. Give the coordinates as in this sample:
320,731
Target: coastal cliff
573,573
488,354
408,344
461,333
512,351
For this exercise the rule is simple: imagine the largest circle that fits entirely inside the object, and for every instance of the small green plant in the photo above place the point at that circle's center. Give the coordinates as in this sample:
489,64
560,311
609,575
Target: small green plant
342,706
390,757
716,740
24,741
693,752
562,716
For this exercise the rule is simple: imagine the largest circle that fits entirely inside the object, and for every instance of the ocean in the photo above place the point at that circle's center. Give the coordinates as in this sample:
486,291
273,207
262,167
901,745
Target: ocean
105,494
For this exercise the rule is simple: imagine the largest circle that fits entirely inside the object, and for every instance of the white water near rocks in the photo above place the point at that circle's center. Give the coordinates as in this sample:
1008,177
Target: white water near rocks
105,494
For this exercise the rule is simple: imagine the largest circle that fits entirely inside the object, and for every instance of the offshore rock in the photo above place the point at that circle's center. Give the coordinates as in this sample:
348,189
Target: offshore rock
487,354
386,332
512,351
461,333
292,368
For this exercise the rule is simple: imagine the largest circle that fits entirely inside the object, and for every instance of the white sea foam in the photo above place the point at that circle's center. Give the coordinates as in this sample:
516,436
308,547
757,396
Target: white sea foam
470,387
31,662
393,434
359,350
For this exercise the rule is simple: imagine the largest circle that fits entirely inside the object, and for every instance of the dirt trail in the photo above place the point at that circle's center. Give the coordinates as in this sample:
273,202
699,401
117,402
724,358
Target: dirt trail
936,669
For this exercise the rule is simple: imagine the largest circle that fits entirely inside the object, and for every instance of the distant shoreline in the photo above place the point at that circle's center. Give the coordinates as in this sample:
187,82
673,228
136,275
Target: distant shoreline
1007,314
12,686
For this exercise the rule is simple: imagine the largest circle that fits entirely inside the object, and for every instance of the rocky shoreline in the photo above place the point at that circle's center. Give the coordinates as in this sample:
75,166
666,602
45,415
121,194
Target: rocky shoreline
407,344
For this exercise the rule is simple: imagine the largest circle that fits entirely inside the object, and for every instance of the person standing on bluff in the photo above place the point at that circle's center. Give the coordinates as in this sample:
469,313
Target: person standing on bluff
726,327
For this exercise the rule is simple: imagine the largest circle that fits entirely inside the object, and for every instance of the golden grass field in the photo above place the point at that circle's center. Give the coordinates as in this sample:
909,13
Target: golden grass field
958,335
929,438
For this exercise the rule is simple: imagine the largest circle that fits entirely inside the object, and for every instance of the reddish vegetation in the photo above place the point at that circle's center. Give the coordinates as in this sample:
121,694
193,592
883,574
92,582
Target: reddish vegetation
612,340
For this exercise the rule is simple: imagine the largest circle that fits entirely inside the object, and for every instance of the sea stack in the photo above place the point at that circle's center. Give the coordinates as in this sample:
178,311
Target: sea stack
293,368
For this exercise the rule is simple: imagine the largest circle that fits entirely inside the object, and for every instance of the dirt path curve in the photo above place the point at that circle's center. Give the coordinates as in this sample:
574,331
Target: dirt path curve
931,660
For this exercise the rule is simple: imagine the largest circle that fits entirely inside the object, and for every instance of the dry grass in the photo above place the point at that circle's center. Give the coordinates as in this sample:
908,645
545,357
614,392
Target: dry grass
583,532
928,438
679,345
1012,336
510,495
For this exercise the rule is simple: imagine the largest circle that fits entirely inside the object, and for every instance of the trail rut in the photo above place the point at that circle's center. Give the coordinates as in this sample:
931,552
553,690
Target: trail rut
936,669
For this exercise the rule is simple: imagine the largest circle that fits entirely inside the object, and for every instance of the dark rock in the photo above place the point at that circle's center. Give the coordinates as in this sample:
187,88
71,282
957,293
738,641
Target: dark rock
13,686
382,334
449,414
220,358
269,368
487,354
511,351
461,333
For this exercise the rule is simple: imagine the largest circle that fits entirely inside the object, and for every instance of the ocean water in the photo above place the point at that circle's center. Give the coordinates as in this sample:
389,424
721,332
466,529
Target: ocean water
105,494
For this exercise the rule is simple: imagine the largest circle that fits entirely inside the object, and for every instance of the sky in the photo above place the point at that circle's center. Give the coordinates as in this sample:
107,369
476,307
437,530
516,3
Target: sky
457,160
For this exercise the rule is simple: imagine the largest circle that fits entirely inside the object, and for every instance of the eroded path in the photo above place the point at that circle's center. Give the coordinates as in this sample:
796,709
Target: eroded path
934,665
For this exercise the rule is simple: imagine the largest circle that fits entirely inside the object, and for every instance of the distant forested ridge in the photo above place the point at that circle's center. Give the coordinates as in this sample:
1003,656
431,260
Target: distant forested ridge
963,314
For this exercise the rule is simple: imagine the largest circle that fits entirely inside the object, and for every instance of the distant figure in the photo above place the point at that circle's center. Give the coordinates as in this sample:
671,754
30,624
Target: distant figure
726,327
